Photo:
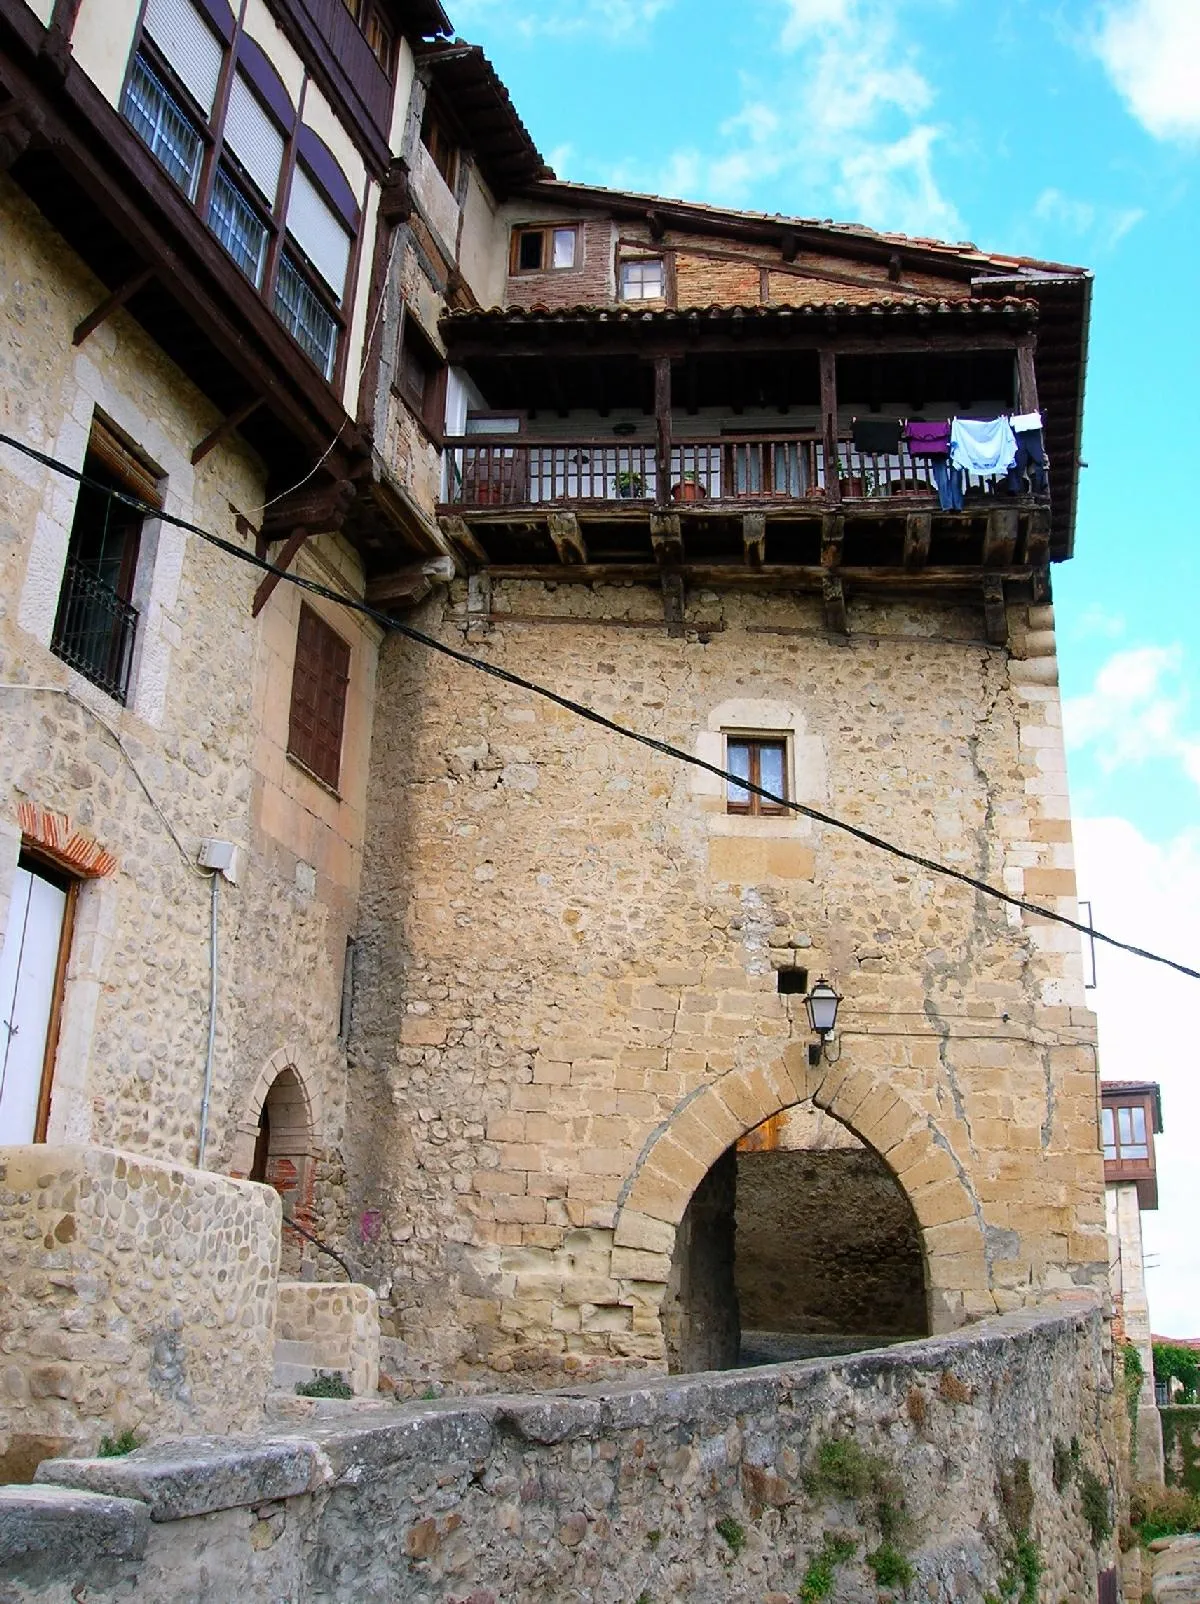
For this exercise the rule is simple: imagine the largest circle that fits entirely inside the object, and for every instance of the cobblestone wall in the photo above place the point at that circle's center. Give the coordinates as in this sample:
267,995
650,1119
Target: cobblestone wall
137,1297
569,955
707,1489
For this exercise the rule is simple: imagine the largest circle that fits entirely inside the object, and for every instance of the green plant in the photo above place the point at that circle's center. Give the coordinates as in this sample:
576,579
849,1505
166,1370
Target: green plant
890,1566
631,485
844,1469
1094,1503
654,1538
117,1447
1178,1364
1132,1374
643,1598
1016,1497
325,1384
819,1577
1064,1466
732,1533
1162,1512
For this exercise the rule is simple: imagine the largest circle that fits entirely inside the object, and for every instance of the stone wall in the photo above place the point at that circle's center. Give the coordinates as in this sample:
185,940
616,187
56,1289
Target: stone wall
706,1489
826,1242
330,1327
569,949
1181,1445
137,1297
199,751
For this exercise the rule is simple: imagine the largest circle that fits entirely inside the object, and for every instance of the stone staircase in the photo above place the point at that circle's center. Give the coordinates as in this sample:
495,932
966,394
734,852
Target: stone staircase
326,1326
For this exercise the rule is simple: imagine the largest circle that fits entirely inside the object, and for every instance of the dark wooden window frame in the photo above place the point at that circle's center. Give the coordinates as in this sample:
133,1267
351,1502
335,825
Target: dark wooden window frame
429,409
1124,1155
243,51
547,231
756,806
321,676
633,258
376,28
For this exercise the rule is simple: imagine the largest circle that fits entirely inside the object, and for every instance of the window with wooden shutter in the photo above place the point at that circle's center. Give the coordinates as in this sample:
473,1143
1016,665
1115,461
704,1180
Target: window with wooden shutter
319,681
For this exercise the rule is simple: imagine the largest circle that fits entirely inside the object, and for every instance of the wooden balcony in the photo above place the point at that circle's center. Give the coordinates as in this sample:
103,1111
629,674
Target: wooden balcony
763,510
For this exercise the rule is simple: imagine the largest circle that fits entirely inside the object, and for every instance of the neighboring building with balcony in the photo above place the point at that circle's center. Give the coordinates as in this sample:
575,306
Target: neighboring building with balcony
1130,1119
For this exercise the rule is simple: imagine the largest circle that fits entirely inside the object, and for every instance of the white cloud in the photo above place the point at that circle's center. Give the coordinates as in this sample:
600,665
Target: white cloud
839,130
1107,225
610,19
1149,894
1096,623
1138,709
1151,50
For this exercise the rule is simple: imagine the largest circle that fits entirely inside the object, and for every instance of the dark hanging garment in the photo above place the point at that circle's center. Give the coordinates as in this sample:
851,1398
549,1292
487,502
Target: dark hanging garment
928,439
880,436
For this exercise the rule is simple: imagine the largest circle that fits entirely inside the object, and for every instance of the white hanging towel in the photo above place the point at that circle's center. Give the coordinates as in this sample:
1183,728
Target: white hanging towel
1023,422
986,449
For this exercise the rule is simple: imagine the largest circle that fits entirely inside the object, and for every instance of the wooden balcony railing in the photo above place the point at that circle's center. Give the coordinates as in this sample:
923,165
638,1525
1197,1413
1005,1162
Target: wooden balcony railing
504,471
360,77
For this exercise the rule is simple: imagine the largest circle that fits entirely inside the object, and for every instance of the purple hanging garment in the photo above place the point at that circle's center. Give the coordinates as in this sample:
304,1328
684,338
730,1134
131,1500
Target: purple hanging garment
928,439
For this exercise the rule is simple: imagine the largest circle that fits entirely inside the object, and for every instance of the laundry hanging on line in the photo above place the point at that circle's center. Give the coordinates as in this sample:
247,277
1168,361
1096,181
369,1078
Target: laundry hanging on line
985,448
877,436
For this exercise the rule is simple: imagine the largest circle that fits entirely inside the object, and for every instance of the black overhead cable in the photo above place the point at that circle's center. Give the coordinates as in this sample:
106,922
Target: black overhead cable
394,626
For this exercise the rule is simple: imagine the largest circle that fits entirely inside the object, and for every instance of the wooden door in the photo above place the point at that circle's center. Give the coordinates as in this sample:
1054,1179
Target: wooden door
32,965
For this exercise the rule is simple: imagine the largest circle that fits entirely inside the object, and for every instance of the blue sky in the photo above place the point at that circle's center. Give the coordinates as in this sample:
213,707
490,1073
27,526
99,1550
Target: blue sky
1069,131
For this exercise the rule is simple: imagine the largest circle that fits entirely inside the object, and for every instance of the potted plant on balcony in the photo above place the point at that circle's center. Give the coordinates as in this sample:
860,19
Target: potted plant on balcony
689,487
630,486
851,485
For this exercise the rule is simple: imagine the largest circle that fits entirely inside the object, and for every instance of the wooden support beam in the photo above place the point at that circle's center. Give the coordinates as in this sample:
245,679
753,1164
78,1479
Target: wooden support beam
407,586
110,304
754,538
225,428
1027,390
833,532
458,532
827,361
568,540
265,591
1037,538
18,125
320,511
667,538
1000,541
995,613
662,427
834,599
673,602
918,531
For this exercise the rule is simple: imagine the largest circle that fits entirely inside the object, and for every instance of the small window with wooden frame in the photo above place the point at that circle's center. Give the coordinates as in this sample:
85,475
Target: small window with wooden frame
544,248
759,760
442,147
421,377
643,278
320,680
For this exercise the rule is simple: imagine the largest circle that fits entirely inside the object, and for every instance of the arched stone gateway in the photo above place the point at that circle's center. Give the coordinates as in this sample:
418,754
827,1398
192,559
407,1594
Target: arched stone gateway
685,1151
276,1140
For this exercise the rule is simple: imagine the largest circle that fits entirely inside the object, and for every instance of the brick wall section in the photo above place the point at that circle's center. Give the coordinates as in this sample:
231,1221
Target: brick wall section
703,281
589,283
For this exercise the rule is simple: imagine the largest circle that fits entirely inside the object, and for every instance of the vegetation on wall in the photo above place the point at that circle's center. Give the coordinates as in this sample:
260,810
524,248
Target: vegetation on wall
1156,1511
1181,1445
325,1384
819,1577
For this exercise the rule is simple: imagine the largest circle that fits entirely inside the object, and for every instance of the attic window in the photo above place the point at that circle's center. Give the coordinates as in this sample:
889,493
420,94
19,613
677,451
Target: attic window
544,250
441,147
643,279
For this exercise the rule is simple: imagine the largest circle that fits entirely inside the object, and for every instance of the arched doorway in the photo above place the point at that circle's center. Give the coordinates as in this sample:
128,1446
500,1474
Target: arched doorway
797,1242
282,1153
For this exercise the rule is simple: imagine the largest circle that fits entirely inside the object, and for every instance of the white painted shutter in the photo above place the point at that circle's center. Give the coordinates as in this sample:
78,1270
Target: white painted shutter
28,966
254,138
318,231
189,44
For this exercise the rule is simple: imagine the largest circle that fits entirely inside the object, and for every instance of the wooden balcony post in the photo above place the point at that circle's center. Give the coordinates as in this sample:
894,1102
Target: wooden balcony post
662,427
1027,393
828,365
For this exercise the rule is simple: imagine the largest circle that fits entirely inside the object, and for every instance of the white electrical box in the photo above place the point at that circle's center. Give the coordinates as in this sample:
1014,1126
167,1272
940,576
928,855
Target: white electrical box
224,857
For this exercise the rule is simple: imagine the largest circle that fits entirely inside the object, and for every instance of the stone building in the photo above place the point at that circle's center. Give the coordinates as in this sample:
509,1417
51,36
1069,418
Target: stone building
497,990
1130,1119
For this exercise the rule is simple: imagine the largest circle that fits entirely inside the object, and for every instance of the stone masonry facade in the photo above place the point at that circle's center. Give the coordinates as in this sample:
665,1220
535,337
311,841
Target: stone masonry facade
569,1006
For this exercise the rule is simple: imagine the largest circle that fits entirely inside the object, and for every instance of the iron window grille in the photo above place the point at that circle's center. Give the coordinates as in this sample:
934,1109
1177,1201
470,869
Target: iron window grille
95,630
239,228
164,127
304,315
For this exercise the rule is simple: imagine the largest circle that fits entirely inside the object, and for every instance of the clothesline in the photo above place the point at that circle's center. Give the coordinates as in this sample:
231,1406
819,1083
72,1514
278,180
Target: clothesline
1009,447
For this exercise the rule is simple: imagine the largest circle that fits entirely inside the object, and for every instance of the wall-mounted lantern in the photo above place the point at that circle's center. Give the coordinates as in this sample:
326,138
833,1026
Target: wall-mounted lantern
822,1003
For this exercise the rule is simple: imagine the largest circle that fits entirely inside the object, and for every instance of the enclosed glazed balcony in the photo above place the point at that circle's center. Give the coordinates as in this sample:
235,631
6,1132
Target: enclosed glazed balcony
767,445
